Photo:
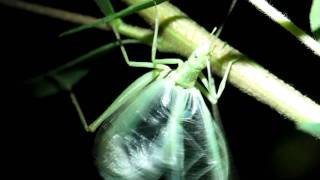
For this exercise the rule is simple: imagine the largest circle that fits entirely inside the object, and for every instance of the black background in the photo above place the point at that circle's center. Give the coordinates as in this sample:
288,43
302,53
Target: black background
43,138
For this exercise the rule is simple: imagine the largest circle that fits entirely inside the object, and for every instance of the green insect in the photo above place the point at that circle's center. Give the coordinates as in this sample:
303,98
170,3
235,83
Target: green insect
160,126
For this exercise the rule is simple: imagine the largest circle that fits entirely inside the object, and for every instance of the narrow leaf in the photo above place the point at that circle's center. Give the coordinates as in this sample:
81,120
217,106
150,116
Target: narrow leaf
315,19
105,6
66,76
125,12
107,9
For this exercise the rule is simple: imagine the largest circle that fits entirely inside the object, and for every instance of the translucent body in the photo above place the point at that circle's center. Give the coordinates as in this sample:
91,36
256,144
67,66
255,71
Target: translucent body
165,132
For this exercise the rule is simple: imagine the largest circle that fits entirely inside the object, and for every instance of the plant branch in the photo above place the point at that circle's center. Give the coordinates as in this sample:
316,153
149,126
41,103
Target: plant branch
183,35
286,23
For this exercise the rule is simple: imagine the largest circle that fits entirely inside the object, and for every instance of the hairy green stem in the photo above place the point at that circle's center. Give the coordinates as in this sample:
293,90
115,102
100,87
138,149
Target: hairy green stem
182,35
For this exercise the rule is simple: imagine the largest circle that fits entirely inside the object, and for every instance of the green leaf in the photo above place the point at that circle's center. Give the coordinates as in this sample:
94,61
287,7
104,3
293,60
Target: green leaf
107,9
48,85
105,6
125,12
315,19
310,128
66,76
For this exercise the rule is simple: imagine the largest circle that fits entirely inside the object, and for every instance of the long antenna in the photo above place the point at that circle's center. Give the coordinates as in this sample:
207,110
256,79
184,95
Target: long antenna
231,7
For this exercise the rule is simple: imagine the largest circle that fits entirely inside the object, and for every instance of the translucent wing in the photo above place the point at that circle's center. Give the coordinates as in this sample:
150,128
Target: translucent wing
166,132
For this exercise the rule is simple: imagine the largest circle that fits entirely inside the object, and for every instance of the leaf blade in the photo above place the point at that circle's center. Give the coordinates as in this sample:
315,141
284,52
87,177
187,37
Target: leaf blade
125,12
315,19
66,76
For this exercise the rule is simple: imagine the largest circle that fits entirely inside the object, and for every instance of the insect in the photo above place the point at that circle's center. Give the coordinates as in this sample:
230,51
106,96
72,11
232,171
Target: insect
160,126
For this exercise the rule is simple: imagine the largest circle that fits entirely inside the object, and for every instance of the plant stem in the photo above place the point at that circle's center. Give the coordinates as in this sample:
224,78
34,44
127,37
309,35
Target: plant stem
183,35
286,23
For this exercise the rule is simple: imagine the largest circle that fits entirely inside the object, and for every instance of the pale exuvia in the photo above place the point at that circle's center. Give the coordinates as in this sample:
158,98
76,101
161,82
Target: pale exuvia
165,132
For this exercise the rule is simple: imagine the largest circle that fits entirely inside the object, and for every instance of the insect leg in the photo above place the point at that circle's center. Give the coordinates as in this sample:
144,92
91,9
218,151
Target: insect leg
155,35
169,61
223,82
153,63
209,89
204,89
137,85
126,58
130,91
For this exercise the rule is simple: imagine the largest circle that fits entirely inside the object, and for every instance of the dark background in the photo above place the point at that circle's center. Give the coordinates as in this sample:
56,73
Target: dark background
43,138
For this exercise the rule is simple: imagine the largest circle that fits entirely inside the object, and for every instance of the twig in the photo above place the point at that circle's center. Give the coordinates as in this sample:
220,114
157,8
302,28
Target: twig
286,23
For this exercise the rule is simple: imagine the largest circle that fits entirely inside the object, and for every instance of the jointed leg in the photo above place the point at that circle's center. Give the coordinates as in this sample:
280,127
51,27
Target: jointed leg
135,87
153,62
77,106
213,94
125,55
129,92
224,79
155,35
169,61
